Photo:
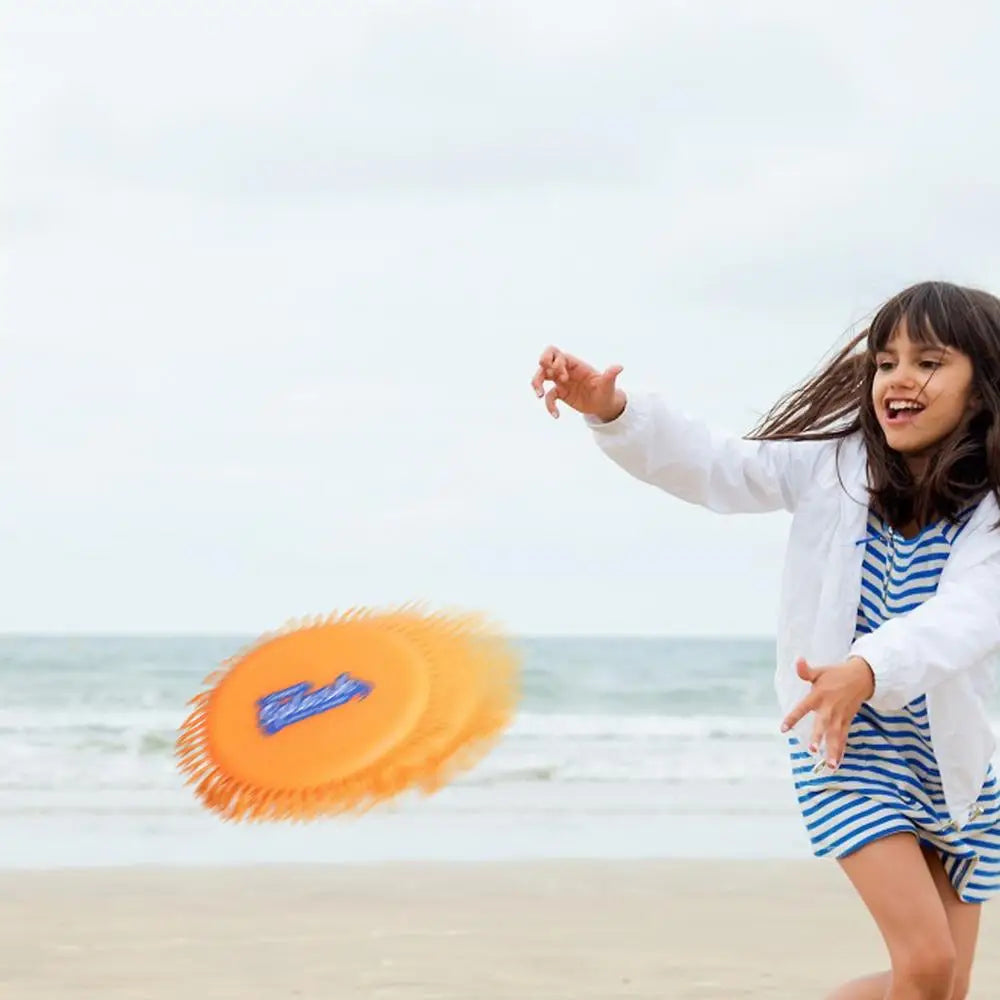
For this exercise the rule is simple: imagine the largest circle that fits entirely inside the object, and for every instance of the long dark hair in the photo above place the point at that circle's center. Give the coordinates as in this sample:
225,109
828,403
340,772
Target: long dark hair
837,402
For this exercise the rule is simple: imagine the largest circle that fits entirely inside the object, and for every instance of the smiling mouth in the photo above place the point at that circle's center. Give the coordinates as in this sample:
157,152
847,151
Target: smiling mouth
900,411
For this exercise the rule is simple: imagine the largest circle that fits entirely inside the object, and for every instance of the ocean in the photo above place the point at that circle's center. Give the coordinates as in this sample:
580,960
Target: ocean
622,747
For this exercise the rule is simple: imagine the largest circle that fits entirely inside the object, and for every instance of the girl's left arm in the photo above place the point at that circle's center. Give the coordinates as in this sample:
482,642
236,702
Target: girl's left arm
955,629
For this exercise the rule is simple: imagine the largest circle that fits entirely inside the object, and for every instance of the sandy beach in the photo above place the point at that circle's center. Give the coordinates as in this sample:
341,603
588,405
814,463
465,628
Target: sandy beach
706,930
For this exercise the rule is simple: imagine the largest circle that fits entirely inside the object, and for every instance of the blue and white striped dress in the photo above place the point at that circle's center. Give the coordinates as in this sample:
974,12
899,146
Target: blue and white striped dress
889,781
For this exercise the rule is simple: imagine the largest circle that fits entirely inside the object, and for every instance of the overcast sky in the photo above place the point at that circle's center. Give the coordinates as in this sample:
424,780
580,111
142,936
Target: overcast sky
276,276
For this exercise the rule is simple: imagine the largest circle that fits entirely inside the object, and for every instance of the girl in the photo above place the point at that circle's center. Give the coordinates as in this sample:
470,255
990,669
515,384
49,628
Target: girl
889,461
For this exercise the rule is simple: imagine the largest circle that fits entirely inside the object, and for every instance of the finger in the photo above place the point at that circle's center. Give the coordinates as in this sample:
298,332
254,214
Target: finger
836,744
818,734
804,671
797,714
554,362
547,358
537,383
550,401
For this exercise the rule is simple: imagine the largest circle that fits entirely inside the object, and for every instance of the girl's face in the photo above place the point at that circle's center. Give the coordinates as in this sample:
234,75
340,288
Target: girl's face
921,393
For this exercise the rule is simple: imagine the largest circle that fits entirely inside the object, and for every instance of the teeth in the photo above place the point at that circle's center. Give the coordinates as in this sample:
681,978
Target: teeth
904,404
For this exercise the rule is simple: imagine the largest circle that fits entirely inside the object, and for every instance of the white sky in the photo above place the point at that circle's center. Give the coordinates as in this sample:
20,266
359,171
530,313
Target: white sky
276,276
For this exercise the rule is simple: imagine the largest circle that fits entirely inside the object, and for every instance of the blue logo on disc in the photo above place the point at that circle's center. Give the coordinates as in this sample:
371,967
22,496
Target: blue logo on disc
292,704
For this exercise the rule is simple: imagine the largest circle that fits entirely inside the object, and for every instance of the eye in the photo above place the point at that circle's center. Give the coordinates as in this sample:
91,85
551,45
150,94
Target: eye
883,366
931,365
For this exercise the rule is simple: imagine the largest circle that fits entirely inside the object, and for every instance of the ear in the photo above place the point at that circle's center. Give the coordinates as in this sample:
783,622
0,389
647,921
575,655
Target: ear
975,403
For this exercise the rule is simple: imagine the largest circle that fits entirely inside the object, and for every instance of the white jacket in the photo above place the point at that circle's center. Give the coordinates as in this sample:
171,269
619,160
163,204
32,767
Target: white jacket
943,648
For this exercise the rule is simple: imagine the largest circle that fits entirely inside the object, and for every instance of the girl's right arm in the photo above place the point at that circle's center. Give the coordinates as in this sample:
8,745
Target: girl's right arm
671,451
691,461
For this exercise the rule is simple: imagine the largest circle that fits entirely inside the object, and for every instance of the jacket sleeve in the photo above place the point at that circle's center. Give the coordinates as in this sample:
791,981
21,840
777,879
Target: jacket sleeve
689,460
955,629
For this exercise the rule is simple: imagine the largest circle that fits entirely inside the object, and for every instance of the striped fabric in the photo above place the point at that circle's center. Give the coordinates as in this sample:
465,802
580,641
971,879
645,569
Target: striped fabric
889,781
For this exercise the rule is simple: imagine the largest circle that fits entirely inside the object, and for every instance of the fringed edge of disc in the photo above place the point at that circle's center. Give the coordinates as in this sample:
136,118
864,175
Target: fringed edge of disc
497,665
237,800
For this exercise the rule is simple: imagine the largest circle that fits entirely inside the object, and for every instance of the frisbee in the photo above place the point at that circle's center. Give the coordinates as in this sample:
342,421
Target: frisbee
338,714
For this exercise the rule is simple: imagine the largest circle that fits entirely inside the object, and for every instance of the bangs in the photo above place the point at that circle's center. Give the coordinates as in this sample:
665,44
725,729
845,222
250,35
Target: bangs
935,315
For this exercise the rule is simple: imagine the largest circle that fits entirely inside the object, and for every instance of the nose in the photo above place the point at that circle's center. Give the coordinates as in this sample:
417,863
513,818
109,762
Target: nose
903,377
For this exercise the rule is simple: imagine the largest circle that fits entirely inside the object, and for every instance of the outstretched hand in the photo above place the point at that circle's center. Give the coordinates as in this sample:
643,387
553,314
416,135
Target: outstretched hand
837,694
578,385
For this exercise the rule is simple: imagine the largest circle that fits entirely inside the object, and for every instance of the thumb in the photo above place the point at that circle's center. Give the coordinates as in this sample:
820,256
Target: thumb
805,671
610,374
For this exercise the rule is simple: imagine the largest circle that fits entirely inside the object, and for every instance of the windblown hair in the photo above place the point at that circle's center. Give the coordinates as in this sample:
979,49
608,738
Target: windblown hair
837,403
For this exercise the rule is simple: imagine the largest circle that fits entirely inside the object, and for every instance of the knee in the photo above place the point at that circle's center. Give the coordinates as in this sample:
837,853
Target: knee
930,972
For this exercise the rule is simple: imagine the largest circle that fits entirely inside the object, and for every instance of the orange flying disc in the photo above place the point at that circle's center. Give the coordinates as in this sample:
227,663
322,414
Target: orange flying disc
338,714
